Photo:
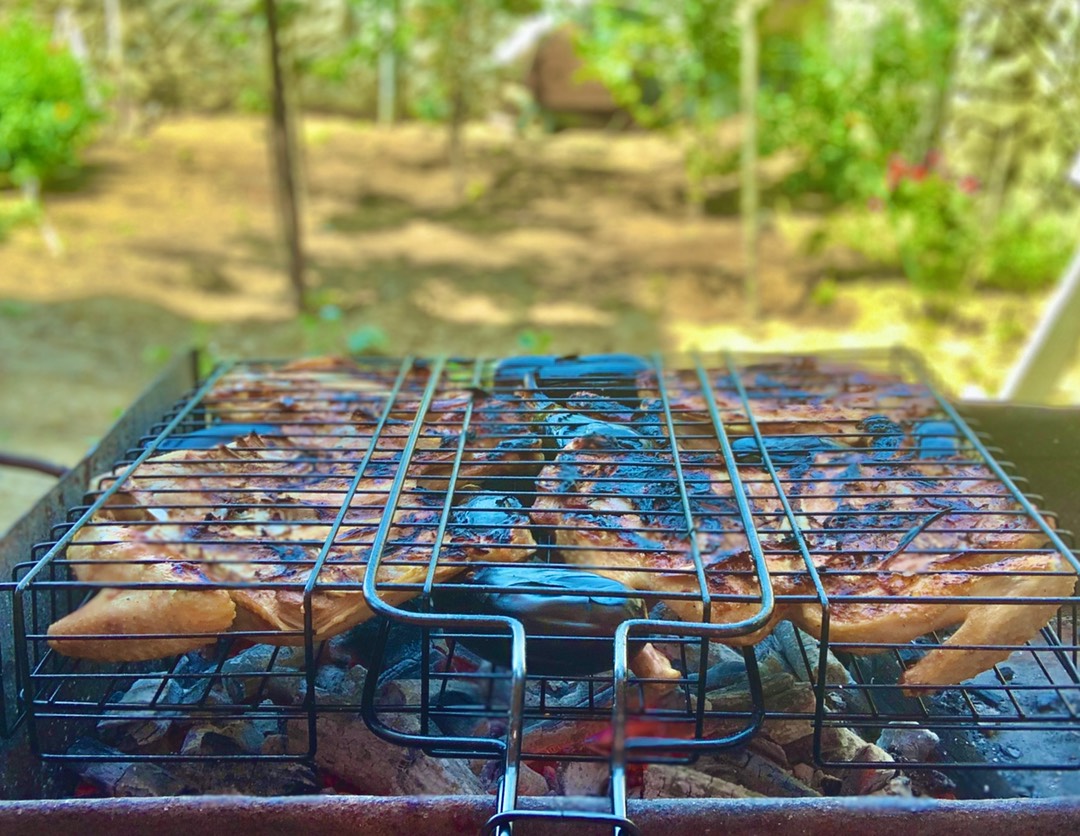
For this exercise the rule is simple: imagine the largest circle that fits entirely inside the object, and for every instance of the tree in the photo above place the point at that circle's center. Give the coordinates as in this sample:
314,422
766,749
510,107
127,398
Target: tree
462,36
670,65
45,116
45,112
847,108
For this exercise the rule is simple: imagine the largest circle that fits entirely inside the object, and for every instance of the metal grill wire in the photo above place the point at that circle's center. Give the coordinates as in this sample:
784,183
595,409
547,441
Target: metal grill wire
1054,662
399,463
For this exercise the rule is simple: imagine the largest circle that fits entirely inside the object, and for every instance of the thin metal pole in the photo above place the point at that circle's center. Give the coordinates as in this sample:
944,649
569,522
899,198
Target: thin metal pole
280,134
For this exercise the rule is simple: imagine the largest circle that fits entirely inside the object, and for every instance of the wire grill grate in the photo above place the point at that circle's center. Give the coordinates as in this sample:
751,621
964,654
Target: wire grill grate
722,498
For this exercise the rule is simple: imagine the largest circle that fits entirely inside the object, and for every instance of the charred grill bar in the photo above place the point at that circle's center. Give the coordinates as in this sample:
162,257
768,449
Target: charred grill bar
431,493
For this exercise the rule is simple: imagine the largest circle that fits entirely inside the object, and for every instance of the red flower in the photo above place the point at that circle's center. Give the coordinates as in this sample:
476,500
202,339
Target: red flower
897,169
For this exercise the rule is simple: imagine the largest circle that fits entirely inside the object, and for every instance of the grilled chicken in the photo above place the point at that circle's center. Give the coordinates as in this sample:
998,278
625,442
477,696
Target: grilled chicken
256,514
906,529
886,532
800,396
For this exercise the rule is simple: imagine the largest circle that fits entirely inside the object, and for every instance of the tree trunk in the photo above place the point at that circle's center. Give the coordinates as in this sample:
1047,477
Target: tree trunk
748,192
387,104
68,31
281,137
31,192
114,54
459,61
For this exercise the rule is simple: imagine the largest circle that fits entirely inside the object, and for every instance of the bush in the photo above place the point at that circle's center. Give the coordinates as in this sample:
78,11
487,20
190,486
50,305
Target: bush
934,219
44,113
1028,251
848,110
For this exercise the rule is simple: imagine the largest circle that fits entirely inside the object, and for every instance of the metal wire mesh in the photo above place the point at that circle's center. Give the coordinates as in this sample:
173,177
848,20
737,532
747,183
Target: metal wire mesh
289,503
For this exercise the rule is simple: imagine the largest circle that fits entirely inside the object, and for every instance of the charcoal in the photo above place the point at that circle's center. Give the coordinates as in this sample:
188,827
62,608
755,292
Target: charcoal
793,642
899,786
803,772
343,687
236,737
192,669
769,749
866,781
567,694
123,780
726,665
403,644
350,751
245,677
580,778
141,721
757,773
1047,701
681,782
908,743
250,777
119,779
932,784
778,689
530,782
829,785
789,733
275,744
844,745
330,678
402,669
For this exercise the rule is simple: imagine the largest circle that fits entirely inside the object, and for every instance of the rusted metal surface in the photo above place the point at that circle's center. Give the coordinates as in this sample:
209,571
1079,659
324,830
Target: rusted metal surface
455,815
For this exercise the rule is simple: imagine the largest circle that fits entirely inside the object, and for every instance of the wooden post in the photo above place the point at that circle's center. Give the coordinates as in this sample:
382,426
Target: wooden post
281,137
748,188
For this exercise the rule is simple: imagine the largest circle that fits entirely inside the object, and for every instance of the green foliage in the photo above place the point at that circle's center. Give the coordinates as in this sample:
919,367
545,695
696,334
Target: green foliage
825,293
44,113
17,213
1028,251
848,110
936,230
668,64
367,339
665,62
536,342
14,309
453,45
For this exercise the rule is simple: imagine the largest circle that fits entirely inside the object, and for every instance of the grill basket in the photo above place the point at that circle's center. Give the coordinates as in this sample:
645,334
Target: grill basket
397,473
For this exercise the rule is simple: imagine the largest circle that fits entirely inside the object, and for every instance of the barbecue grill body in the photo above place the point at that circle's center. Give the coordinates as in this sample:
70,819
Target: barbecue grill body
1044,444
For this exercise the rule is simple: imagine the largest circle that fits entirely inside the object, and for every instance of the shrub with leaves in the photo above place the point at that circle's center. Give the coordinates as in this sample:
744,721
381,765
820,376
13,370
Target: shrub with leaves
1028,250
44,113
849,108
668,64
935,226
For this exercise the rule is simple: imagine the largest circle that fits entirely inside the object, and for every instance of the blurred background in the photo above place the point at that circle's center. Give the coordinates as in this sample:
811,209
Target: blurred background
491,177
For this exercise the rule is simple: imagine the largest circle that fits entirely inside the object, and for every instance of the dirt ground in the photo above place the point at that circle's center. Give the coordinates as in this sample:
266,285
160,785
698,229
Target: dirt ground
574,242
